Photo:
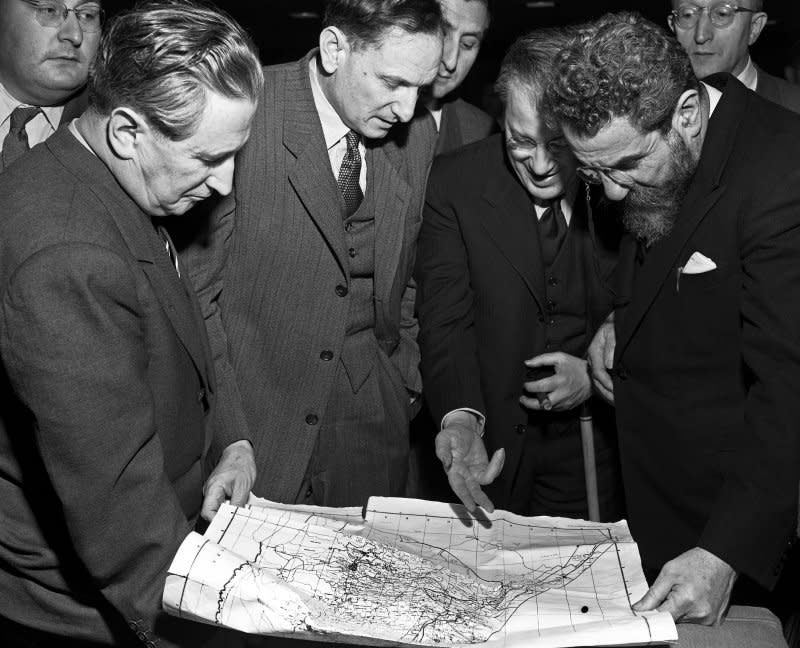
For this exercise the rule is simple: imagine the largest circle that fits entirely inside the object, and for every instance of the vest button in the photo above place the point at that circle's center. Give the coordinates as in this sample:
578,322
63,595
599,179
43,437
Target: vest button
341,290
551,305
348,227
352,252
326,355
552,281
519,428
312,419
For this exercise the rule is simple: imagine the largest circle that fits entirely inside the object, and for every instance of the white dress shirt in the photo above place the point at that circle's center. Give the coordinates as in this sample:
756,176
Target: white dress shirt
42,126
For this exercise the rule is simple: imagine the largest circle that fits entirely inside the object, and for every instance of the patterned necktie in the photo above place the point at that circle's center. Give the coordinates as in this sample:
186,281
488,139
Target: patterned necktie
169,246
15,143
552,230
349,173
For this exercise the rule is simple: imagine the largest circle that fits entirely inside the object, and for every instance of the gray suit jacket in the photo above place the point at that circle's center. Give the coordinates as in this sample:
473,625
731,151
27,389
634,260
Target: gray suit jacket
105,389
778,90
273,279
462,123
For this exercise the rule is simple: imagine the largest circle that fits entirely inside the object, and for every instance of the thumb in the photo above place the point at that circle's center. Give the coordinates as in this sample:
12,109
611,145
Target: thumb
213,499
443,451
542,360
655,596
494,467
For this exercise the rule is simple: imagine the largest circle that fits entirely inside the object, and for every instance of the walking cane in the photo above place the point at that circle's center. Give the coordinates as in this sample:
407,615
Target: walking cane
589,464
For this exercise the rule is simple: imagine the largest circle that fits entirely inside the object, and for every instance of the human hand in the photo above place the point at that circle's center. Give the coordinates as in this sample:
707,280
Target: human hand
694,588
567,388
463,455
233,477
601,358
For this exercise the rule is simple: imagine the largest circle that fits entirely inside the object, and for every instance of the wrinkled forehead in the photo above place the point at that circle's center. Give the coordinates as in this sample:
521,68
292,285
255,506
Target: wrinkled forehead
617,141
746,4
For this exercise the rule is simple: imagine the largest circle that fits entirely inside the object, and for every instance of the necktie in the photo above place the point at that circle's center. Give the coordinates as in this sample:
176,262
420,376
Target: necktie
349,173
552,230
169,246
15,143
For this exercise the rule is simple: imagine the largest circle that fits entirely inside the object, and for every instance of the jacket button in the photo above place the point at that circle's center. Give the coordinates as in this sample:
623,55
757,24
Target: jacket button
201,394
312,419
551,305
341,290
352,253
326,355
552,281
519,428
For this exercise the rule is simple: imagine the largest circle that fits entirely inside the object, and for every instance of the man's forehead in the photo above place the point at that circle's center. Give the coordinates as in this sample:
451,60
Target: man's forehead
616,140
471,16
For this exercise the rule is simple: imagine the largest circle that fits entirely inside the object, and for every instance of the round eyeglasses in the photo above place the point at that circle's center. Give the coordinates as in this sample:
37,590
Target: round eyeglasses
721,14
593,175
54,14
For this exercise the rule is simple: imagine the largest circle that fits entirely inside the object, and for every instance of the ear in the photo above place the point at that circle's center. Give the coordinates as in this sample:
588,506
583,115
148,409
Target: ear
671,22
126,128
757,22
333,48
688,116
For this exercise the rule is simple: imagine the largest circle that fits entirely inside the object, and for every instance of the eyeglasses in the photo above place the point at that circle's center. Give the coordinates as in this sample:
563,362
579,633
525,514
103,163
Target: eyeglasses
721,14
593,175
55,14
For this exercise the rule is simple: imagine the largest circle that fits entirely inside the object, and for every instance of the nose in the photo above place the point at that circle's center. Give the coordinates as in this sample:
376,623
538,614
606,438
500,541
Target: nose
541,161
221,180
70,30
404,104
703,30
449,55
612,190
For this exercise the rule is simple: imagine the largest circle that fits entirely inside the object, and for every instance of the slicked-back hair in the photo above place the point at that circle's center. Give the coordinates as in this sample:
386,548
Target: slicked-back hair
365,22
529,64
163,56
620,65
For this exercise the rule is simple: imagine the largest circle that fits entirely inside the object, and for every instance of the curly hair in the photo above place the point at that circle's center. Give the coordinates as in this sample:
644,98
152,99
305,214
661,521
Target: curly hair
620,65
163,56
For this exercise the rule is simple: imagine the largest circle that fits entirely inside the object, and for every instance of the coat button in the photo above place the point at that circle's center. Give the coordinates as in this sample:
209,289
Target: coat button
352,252
552,281
312,419
326,355
519,428
341,290
551,305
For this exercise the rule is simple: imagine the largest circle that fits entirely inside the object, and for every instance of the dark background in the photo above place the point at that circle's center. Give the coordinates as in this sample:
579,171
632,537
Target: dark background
286,29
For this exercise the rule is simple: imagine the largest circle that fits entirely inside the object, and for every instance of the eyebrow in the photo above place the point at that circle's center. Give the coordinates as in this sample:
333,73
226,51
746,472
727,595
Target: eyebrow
625,160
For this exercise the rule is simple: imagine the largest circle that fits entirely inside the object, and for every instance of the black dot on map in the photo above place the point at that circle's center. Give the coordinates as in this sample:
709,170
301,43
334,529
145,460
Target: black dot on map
585,609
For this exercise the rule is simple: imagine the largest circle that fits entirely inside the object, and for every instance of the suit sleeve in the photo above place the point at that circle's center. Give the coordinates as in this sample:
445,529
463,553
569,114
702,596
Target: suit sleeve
755,516
205,257
73,345
448,339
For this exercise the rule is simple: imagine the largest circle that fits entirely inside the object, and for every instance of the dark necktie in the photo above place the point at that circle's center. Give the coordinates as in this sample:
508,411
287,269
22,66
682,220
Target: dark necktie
552,230
169,246
15,143
349,173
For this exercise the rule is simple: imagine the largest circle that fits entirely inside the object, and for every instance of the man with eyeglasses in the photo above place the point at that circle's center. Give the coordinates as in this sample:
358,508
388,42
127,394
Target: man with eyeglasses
717,35
702,352
46,48
510,293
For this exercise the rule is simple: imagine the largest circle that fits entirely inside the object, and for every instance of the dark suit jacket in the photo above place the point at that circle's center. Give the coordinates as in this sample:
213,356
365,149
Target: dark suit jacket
707,365
105,384
272,277
482,289
778,90
462,123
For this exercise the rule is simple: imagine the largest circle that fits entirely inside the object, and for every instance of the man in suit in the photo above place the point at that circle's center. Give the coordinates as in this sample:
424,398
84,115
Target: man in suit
45,52
508,281
457,122
717,35
704,340
305,279
107,381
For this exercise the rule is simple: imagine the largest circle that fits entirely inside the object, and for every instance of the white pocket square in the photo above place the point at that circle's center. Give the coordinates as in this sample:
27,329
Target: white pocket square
698,264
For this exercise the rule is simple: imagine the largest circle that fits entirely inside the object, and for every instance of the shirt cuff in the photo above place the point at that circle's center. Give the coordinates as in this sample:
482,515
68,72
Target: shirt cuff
480,418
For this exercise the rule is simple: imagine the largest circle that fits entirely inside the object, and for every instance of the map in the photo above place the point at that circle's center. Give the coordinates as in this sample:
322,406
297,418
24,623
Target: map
416,573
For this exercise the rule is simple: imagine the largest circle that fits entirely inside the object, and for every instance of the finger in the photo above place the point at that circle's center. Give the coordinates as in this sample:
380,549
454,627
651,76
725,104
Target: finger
241,490
443,451
545,385
656,595
545,359
478,496
608,351
494,467
530,403
215,496
458,484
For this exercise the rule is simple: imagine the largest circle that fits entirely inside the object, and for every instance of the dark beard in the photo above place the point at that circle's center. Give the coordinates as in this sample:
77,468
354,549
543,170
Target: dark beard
650,212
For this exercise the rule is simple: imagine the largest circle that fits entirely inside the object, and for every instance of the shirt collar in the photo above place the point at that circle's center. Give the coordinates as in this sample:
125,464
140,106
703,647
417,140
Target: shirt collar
714,96
749,76
9,103
333,128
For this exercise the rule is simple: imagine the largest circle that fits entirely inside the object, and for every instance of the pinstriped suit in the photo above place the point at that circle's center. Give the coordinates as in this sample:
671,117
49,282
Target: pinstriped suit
274,285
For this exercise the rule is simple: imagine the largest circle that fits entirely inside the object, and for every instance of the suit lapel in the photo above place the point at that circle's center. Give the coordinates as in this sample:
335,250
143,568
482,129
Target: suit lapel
704,192
74,107
449,130
311,176
388,186
510,225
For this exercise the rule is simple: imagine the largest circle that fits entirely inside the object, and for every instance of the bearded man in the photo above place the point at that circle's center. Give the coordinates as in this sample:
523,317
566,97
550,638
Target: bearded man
702,352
